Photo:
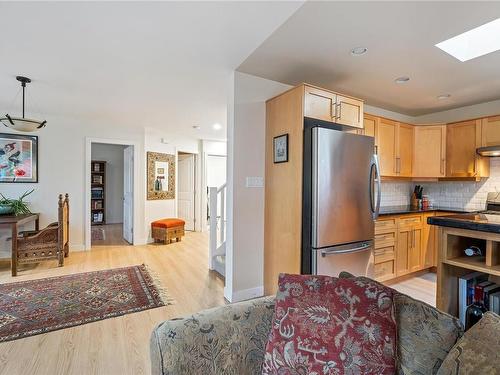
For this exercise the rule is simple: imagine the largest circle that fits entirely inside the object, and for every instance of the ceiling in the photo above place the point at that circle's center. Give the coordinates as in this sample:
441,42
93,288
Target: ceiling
314,46
161,65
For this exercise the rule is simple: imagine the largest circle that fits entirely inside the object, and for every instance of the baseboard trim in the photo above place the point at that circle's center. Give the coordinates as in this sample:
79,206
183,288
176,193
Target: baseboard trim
77,247
245,294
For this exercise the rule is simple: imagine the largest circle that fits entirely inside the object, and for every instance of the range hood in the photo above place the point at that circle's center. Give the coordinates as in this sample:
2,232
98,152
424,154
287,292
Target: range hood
489,151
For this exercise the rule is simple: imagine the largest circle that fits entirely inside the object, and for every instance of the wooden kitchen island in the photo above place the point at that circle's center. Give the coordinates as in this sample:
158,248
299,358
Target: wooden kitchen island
455,234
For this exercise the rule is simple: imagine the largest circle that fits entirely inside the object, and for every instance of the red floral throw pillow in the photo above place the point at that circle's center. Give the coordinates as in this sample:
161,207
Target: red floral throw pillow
328,326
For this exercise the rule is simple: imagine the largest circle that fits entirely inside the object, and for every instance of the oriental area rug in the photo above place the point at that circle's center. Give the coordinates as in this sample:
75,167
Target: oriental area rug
33,307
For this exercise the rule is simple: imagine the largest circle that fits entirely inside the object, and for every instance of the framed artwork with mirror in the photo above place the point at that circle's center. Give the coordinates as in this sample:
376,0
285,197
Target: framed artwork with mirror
161,176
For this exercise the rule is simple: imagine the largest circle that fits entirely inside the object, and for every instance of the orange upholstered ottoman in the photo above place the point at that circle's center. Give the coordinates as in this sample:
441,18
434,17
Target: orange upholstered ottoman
167,229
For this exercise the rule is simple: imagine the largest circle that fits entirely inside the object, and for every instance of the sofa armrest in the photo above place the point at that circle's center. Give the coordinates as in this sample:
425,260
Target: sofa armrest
229,339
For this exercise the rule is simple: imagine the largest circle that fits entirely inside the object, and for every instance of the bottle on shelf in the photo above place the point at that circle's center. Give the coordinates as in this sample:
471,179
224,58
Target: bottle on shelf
475,311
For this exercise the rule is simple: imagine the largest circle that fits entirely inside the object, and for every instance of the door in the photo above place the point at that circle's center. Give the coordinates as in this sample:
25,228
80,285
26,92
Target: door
386,146
404,157
319,104
415,250
128,194
402,249
430,151
342,188
186,190
461,149
349,111
428,243
369,125
490,132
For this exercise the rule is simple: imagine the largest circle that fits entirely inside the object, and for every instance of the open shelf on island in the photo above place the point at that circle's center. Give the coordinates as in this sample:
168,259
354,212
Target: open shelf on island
454,264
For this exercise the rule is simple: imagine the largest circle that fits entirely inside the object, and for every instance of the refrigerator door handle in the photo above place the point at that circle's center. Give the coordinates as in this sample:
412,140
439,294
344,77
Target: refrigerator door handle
365,246
374,167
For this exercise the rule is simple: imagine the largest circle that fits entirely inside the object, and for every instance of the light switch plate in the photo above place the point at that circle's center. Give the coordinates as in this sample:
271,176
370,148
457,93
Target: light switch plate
254,182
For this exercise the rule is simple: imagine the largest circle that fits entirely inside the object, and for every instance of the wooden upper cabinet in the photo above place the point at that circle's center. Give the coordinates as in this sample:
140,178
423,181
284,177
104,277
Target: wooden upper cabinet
395,148
349,111
329,106
386,146
490,131
370,124
462,139
404,150
430,151
319,104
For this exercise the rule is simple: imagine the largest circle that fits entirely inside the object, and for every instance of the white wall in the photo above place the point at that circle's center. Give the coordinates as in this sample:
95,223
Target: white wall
62,170
113,156
61,167
158,141
246,157
246,136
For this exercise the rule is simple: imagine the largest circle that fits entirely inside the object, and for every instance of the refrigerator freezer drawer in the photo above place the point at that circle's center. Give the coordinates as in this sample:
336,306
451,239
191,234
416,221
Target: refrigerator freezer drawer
357,259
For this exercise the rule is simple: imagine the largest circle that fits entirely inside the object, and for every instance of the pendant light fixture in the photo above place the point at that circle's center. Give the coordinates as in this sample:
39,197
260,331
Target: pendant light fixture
22,124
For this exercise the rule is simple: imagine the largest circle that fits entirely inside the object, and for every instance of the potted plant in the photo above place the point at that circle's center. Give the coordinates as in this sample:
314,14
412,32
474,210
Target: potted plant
14,206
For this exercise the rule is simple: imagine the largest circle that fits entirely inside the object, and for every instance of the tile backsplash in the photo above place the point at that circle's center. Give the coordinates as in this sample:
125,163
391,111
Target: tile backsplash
466,195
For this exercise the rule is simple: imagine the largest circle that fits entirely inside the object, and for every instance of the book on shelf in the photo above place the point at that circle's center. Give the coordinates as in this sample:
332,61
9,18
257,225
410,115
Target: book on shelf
97,167
98,217
494,302
466,285
97,193
97,179
97,205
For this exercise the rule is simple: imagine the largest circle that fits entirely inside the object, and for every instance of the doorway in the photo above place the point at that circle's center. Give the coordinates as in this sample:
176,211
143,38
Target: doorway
186,189
110,193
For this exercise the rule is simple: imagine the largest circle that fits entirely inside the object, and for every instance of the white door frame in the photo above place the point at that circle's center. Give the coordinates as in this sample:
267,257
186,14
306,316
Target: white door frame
204,200
195,187
88,159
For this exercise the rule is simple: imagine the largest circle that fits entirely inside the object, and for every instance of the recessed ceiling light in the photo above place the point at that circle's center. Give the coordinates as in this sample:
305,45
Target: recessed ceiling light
402,79
444,96
217,126
358,51
474,43
197,127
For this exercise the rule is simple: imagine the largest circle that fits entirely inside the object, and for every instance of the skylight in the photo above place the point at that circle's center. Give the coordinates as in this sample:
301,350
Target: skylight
474,43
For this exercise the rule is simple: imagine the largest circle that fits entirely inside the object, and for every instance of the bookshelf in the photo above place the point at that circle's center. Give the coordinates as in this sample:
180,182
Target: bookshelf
97,192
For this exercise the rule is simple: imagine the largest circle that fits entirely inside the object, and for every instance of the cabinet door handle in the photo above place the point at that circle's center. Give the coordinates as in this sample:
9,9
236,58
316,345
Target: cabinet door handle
442,166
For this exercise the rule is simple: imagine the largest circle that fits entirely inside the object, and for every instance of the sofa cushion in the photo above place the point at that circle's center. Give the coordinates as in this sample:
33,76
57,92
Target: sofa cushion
425,334
326,325
478,351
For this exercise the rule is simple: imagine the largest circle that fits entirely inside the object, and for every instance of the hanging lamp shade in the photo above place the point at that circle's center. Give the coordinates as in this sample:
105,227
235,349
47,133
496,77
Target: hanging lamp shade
21,123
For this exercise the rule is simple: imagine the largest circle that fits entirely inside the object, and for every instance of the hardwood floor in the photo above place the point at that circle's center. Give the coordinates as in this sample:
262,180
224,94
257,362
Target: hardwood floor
112,233
117,345
421,287
121,345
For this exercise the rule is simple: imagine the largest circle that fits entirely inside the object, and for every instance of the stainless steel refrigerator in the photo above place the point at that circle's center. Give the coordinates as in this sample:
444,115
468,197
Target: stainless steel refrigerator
342,198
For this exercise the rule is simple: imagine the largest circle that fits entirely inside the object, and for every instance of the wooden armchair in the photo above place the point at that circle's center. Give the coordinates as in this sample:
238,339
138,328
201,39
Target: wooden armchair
49,243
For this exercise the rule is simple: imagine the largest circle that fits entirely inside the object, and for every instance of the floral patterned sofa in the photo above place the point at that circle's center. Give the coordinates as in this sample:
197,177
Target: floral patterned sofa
231,339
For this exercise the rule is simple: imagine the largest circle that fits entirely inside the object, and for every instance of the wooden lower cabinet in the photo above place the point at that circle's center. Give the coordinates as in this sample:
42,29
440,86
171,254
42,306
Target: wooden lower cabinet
403,244
429,238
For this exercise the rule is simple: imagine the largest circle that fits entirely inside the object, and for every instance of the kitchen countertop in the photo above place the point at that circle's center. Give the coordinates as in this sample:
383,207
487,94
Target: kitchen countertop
472,221
398,210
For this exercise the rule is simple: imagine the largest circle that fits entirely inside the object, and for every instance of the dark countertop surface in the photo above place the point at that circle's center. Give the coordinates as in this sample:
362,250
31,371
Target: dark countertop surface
472,221
398,210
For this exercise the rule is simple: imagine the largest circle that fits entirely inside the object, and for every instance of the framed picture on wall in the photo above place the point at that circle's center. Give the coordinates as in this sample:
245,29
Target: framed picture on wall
18,158
280,148
161,176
